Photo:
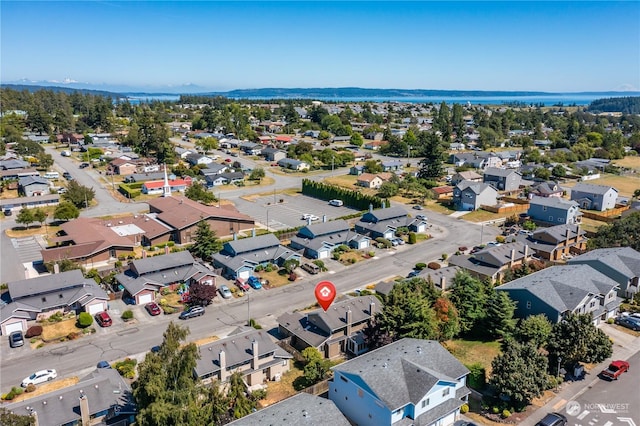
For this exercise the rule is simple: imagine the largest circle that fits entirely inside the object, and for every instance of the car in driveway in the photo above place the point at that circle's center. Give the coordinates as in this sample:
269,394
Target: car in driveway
311,268
39,377
153,309
629,322
553,419
103,364
16,339
225,292
615,369
103,319
192,312
413,273
421,217
254,282
242,284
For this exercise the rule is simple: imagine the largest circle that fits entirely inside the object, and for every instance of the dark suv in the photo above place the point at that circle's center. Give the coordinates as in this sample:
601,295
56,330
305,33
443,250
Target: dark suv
192,312
553,419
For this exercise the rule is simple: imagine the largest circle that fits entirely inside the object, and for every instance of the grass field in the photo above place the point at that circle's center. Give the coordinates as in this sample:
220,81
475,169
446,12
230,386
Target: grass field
630,162
625,185
471,352
52,331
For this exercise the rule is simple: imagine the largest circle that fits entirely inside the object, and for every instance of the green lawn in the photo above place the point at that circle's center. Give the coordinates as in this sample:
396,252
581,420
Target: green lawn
471,352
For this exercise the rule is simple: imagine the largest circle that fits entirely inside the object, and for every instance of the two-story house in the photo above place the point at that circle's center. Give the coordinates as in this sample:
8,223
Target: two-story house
38,298
333,332
248,351
410,381
559,290
502,179
546,189
468,175
320,239
622,264
239,258
554,211
145,277
557,242
594,197
469,195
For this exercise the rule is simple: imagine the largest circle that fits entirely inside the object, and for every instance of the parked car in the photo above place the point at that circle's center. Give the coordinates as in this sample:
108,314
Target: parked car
8,212
615,369
413,273
311,268
192,312
629,322
225,292
84,165
418,207
103,364
16,339
39,377
242,284
421,217
336,203
254,282
553,419
153,308
103,319
67,175
493,244
62,190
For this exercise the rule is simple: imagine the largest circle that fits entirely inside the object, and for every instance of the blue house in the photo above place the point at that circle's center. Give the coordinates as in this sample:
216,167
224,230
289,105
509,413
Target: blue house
385,222
320,239
410,381
622,264
554,210
239,258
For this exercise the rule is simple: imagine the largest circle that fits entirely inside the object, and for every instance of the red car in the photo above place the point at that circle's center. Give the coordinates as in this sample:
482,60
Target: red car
615,369
242,284
153,309
103,319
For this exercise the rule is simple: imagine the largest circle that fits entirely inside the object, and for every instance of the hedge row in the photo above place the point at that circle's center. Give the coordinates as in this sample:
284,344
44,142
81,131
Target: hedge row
130,190
353,199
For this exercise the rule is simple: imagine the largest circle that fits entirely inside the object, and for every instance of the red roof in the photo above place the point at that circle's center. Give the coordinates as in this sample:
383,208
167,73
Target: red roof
282,138
443,189
160,183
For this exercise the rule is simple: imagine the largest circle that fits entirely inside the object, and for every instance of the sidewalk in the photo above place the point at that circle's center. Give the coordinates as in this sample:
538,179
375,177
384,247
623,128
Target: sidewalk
624,347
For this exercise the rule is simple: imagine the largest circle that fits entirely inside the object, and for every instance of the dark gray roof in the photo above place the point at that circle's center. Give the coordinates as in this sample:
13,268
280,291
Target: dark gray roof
476,187
559,232
237,349
501,255
47,284
104,389
591,188
555,202
163,263
494,171
302,409
403,372
563,287
254,243
30,180
389,213
324,228
625,260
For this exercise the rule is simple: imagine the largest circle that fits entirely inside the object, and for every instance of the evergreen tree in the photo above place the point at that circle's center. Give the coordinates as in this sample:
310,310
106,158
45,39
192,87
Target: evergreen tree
206,242
500,309
575,339
431,166
469,295
534,329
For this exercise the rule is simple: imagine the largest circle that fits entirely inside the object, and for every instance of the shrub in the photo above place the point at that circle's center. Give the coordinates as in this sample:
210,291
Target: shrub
610,321
127,315
505,413
412,238
445,256
320,264
33,331
383,242
165,291
259,394
495,410
168,310
464,409
84,320
57,317
420,266
352,260
501,239
126,368
73,335
30,388
477,377
293,276
433,265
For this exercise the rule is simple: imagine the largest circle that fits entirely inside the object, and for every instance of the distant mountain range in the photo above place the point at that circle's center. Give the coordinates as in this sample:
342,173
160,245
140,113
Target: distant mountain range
300,93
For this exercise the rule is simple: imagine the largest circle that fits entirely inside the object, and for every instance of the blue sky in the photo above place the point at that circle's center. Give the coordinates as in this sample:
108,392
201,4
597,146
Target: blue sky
510,45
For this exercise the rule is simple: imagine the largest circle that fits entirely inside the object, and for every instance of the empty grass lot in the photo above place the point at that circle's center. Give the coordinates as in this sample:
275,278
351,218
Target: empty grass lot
471,351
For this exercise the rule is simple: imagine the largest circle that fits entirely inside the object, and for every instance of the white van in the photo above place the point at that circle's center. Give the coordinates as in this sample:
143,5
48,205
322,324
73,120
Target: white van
51,175
337,203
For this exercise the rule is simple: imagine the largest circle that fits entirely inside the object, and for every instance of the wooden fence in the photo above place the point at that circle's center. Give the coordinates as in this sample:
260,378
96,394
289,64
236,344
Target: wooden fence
284,344
517,208
318,389
607,216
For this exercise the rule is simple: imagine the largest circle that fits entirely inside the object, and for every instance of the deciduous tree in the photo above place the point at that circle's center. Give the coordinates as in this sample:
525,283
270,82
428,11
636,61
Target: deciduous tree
534,329
575,339
79,195
201,293
25,217
66,211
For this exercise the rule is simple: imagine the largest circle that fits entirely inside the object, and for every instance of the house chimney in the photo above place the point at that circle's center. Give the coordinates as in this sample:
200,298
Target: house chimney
253,232
324,217
34,414
526,252
85,414
308,221
56,268
348,318
222,360
443,283
372,308
235,236
255,353
144,254
166,249
513,257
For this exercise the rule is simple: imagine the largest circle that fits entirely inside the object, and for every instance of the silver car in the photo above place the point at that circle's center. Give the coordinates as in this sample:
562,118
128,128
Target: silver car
225,292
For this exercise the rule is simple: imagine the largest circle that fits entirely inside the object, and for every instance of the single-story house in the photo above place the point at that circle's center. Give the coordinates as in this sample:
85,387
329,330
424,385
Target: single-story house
320,239
32,186
369,180
290,163
157,186
385,222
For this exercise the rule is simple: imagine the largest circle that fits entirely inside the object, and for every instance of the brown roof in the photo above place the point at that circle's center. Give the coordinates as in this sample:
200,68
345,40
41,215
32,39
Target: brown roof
367,177
385,175
442,189
181,212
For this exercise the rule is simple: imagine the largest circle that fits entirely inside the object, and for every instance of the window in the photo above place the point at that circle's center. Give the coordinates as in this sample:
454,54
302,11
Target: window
528,305
445,392
425,402
550,218
544,208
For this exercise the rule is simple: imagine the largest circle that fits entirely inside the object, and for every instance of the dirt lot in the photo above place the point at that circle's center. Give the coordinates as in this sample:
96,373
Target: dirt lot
277,391
46,388
630,162
52,331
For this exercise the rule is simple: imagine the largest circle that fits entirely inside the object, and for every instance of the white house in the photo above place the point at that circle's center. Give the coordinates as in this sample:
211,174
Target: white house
411,381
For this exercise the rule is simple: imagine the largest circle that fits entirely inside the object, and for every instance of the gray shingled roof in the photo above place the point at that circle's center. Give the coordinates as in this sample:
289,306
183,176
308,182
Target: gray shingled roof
623,259
563,287
591,188
266,241
555,202
47,284
324,228
559,232
494,171
404,371
163,263
389,213
476,187
302,409
30,180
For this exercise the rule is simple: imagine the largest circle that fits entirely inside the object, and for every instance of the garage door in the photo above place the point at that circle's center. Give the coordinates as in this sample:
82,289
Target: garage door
323,254
244,274
94,309
10,328
145,298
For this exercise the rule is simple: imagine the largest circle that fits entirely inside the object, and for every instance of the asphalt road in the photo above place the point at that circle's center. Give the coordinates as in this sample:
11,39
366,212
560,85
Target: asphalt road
72,358
608,403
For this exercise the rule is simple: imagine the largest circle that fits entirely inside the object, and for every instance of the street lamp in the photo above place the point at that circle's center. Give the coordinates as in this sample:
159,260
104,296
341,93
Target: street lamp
267,220
558,378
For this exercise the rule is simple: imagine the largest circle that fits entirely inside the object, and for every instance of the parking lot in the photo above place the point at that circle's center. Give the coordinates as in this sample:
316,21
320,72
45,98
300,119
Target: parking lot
288,213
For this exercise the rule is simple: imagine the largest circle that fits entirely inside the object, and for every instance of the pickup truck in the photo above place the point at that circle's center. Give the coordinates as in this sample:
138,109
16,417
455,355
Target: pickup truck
615,369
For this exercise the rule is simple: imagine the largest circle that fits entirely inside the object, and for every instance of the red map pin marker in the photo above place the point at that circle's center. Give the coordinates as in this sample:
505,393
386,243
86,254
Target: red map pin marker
325,293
